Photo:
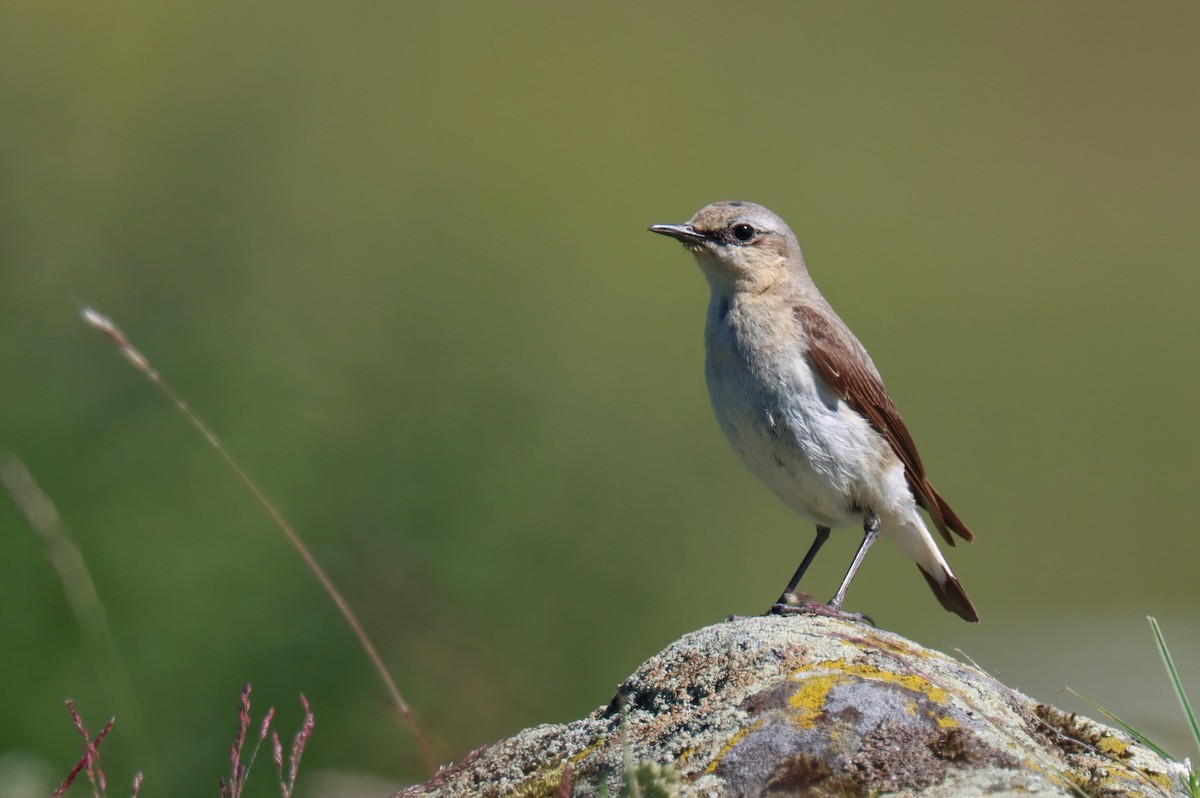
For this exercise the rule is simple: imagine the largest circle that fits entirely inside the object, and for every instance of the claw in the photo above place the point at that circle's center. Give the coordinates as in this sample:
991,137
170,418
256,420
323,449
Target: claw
817,608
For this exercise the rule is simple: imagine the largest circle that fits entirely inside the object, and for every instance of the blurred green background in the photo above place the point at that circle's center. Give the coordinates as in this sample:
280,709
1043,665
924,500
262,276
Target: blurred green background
395,254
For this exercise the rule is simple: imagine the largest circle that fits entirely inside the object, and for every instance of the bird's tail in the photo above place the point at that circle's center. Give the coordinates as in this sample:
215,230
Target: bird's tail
950,593
914,540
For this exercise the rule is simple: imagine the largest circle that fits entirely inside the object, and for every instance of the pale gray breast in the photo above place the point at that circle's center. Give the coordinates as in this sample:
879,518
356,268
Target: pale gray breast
784,424
757,391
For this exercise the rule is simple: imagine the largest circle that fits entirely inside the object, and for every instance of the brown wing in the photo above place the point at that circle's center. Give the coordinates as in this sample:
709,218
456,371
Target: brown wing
840,361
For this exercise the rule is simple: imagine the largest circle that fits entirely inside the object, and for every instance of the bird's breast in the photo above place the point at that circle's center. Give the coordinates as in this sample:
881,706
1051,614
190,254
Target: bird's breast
787,426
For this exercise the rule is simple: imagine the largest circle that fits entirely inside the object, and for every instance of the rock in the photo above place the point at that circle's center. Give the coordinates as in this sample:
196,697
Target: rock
817,707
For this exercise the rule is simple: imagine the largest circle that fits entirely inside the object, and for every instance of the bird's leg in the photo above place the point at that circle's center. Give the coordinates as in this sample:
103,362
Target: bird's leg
788,597
870,532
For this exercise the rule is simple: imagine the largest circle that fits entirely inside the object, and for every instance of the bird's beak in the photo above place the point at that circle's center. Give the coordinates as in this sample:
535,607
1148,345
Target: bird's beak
682,232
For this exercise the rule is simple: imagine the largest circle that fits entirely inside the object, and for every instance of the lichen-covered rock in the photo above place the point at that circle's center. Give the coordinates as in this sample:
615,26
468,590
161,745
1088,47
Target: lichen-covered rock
811,706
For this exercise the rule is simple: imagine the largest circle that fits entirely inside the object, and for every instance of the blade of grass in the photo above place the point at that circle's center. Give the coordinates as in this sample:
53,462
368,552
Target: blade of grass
1132,732
1176,682
66,558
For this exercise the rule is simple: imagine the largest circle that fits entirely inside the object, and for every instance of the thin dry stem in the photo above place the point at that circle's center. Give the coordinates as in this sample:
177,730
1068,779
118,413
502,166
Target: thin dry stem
61,550
118,338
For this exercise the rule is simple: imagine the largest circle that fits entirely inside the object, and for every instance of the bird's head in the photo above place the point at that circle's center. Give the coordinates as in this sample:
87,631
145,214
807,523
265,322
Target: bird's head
739,245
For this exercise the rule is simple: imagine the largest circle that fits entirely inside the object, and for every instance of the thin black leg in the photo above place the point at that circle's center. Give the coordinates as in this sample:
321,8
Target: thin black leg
822,536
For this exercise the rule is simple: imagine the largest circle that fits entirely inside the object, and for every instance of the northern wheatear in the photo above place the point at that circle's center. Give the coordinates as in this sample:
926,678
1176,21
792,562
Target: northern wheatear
802,404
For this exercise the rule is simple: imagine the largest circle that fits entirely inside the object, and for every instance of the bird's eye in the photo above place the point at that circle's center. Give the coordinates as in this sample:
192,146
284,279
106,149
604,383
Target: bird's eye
743,232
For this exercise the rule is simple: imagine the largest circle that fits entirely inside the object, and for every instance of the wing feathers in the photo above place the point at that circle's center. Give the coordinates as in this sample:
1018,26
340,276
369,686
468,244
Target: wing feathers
844,365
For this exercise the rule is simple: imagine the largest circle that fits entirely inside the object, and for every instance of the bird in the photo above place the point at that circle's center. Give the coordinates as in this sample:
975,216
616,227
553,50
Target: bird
803,406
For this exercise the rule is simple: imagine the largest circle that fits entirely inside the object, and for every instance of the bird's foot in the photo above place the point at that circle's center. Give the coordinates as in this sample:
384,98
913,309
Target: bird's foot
788,603
803,604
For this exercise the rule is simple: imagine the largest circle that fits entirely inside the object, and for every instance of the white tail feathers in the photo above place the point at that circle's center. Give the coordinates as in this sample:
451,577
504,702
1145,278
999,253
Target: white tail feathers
915,541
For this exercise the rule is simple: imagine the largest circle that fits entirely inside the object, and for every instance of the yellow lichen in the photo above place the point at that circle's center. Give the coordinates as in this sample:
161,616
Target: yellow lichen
1112,746
542,784
809,700
686,755
577,758
946,722
1161,779
729,744
909,681
545,782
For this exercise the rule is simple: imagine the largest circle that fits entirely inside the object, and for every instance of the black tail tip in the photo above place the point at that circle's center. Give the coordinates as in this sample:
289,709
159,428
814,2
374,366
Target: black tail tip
952,596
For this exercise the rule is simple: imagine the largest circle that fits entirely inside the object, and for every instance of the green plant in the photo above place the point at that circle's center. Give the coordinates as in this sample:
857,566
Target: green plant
1189,778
